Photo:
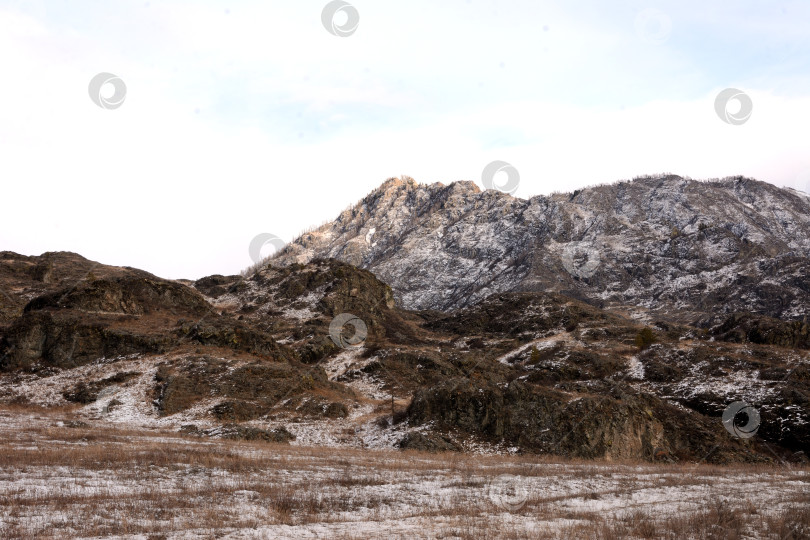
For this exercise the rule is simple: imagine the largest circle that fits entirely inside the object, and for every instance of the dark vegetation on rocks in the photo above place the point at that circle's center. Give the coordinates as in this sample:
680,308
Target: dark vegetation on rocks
540,365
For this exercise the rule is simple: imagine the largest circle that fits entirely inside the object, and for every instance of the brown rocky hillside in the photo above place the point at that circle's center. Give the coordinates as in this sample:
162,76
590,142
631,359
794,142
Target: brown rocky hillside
252,357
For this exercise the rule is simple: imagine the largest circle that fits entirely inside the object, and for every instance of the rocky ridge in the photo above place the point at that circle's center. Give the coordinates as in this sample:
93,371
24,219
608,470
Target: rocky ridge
256,357
693,251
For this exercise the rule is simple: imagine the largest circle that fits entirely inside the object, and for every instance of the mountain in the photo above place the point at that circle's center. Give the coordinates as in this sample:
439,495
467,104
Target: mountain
689,251
320,353
617,322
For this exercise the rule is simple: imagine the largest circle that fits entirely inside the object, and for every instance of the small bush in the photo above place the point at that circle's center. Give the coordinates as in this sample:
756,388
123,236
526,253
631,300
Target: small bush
645,338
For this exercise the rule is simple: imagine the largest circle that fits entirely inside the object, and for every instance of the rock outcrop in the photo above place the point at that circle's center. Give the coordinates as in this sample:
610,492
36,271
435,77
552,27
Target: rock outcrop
618,322
665,245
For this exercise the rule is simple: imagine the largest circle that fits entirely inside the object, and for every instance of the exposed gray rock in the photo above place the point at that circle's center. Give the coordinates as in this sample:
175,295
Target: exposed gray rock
667,244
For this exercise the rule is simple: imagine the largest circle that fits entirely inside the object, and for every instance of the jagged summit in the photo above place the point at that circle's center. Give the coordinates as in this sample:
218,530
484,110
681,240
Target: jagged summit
396,182
658,244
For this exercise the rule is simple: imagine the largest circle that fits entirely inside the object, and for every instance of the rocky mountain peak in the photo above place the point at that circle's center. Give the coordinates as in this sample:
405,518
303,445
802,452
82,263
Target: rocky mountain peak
657,244
320,353
396,182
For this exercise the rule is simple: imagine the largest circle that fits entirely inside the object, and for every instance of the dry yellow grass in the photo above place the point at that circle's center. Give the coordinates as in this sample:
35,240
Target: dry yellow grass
58,481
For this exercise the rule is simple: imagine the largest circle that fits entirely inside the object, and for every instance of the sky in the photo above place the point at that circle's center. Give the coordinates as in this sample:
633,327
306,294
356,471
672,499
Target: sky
238,118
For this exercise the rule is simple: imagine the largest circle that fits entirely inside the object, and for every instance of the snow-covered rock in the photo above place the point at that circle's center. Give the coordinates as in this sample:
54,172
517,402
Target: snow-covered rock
662,244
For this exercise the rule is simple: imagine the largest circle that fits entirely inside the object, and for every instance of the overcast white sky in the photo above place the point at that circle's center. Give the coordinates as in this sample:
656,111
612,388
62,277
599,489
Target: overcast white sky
249,117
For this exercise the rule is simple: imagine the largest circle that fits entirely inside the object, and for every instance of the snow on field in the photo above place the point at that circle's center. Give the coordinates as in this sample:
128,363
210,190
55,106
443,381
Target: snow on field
58,481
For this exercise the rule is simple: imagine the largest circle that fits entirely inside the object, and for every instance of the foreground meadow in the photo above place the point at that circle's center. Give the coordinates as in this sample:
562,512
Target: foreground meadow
61,478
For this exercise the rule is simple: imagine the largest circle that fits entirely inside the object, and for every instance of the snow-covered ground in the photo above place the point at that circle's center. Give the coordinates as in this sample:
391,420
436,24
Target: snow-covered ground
61,480
130,404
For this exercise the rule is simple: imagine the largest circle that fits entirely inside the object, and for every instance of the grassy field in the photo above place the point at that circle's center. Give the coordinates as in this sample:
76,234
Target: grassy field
60,478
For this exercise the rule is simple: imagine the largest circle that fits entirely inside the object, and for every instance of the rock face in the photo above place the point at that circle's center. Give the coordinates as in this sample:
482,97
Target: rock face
666,245
260,356
546,421
576,383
